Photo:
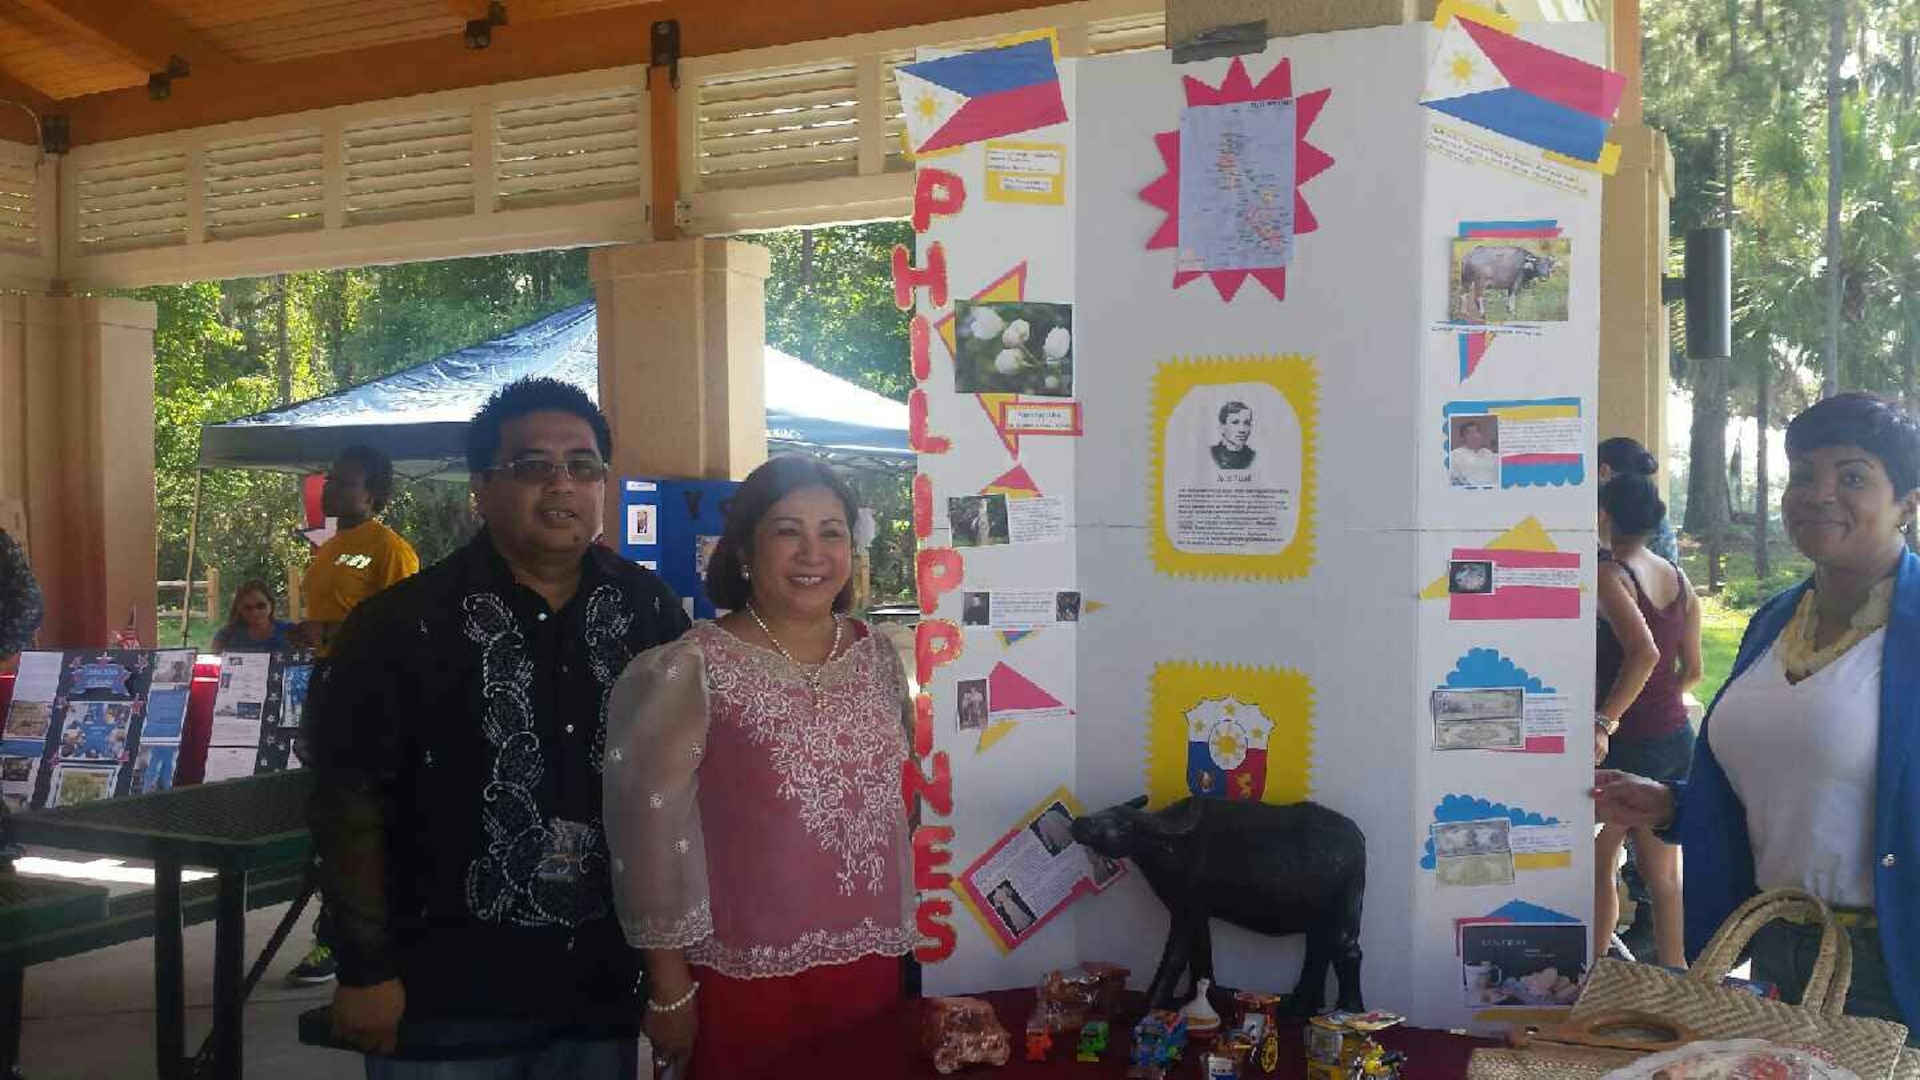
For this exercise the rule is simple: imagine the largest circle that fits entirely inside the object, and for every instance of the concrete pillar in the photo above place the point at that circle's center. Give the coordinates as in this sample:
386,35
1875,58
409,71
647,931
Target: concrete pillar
76,445
682,381
1633,320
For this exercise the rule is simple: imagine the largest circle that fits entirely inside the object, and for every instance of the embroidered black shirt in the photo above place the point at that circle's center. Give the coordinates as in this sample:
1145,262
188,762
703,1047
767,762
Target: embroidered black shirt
456,736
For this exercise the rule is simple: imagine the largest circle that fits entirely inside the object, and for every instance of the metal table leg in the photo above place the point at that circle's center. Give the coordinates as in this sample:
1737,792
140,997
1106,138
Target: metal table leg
13,997
229,960
169,971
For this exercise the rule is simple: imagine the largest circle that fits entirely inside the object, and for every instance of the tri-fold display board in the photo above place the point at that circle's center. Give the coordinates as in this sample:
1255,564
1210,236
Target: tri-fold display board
1255,417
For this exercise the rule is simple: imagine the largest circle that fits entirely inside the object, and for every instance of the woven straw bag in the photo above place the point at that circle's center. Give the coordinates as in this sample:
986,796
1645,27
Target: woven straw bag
1628,1010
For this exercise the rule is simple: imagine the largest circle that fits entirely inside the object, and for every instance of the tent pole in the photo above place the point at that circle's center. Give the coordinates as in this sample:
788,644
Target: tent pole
193,534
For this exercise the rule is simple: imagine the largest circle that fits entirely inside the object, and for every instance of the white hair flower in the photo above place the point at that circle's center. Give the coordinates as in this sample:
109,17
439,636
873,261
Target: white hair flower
1017,333
1059,341
1008,362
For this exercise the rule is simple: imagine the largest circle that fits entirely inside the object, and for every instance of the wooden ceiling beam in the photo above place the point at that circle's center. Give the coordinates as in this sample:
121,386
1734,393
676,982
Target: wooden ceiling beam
132,30
13,88
554,46
14,124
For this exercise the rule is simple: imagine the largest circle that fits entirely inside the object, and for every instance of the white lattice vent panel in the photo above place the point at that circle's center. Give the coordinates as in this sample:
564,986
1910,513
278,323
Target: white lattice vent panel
137,201
20,201
777,127
263,184
570,148
403,168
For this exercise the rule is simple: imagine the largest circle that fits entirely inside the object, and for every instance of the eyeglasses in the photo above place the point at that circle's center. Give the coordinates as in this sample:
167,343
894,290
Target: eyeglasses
542,470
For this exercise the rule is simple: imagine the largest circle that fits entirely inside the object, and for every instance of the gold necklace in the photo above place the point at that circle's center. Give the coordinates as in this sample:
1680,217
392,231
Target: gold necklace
812,673
1799,654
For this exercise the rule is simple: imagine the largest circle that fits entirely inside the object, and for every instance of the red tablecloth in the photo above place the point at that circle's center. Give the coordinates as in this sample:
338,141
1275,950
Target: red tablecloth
891,1051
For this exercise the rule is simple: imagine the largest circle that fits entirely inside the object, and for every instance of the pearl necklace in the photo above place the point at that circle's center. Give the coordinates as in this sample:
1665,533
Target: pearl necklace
812,673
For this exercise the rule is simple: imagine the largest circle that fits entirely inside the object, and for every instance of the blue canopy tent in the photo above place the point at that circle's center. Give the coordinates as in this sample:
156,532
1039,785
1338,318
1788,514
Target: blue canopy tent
419,415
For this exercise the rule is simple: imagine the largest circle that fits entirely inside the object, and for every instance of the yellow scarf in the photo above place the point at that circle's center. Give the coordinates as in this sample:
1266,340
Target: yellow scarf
1802,658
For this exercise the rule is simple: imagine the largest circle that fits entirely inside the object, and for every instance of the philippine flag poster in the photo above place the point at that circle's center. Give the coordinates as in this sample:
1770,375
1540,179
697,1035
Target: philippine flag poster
987,94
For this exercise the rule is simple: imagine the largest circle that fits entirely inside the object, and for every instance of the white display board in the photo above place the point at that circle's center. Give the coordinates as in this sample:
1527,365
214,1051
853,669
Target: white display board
1259,493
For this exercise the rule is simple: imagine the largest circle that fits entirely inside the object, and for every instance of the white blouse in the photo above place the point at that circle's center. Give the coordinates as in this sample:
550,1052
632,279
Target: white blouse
1803,759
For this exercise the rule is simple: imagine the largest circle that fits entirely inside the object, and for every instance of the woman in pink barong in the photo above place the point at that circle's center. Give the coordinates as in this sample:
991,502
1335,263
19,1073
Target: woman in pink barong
753,807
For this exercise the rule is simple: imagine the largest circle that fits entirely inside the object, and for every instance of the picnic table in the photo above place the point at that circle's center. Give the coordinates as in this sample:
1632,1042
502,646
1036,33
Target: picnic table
238,829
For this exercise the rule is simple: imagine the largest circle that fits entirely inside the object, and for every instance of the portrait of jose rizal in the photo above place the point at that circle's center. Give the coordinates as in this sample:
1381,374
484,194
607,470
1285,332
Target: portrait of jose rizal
1232,451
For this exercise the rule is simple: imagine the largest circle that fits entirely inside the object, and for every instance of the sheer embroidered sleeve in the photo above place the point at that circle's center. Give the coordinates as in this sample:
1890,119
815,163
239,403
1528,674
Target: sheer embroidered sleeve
657,723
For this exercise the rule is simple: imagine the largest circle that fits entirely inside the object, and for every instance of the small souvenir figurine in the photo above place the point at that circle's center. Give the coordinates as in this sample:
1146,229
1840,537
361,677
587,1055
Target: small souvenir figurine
1039,1041
1339,1039
1202,1021
1093,1041
1158,1040
1258,1029
961,1031
1377,1062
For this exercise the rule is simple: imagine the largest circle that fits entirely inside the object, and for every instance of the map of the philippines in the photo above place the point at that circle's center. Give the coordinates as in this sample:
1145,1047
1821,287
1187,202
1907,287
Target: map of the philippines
1237,185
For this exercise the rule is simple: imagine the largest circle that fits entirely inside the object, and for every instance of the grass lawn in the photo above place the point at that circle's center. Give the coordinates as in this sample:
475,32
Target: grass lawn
1720,630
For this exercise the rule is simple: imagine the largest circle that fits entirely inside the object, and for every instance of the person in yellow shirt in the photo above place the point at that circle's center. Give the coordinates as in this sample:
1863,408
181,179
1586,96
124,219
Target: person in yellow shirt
364,556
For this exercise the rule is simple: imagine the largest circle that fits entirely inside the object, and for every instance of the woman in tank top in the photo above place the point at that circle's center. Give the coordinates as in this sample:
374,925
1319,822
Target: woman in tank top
1649,657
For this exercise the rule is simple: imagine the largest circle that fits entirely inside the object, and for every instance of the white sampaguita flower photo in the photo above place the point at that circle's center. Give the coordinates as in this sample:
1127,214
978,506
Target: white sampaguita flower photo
1059,342
1008,362
1017,333
985,324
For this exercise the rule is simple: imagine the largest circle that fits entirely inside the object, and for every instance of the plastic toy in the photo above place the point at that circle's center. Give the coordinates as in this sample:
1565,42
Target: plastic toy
1377,1062
1039,1043
1339,1043
1093,1041
1259,1029
1158,1040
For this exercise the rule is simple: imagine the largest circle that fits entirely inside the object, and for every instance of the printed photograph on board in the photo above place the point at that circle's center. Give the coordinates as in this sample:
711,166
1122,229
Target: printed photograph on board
153,769
1233,469
1013,348
978,520
1010,908
1511,279
1054,827
1522,965
74,785
971,702
27,721
1473,577
976,609
1473,457
95,731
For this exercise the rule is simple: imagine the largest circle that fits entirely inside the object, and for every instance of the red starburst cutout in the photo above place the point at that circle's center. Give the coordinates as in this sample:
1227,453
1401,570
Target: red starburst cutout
1309,161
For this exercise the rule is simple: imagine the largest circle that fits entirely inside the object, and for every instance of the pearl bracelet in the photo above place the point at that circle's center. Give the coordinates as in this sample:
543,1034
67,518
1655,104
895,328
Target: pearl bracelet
685,1000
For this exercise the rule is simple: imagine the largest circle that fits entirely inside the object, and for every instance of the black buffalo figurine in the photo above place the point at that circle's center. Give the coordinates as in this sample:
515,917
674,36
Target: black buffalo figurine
1295,869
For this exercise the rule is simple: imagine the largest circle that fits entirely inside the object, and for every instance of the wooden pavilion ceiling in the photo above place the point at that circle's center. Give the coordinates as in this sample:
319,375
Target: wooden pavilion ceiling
54,50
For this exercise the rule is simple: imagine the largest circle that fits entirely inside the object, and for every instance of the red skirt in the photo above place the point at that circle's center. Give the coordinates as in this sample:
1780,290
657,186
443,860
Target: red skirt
749,1027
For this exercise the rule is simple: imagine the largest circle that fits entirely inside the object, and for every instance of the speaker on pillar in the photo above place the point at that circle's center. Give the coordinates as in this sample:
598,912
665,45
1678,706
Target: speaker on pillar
1707,291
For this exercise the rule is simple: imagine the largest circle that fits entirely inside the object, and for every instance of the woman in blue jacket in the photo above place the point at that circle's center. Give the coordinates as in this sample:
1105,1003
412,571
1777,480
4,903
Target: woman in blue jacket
1807,771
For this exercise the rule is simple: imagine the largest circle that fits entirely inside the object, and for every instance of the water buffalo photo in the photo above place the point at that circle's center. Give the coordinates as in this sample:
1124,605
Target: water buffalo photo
1501,281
